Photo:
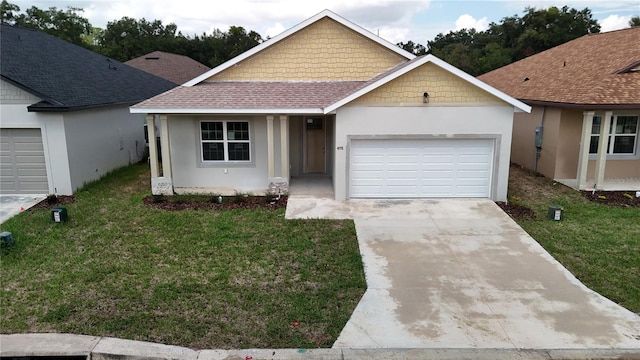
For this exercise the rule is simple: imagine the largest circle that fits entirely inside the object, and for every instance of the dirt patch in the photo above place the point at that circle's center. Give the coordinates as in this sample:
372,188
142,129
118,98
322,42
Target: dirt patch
53,201
516,211
614,198
212,203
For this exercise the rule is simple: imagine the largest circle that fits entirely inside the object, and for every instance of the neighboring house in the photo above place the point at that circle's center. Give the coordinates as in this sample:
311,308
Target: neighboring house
581,92
328,98
175,68
64,114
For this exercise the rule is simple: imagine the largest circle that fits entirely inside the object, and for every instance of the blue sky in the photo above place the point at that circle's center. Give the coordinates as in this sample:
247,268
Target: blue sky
394,20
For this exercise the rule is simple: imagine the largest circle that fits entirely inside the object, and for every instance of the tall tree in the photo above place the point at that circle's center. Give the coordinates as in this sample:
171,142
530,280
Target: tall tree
414,48
68,25
7,15
513,38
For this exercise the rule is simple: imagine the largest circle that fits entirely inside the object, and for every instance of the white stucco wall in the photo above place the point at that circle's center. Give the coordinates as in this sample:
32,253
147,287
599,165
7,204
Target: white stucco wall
190,174
14,114
100,140
428,122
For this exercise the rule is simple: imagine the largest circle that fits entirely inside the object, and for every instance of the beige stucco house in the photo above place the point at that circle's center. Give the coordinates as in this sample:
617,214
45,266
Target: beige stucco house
328,98
581,92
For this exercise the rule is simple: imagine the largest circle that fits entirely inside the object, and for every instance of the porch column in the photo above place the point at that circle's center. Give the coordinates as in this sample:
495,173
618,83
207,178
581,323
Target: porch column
284,146
153,148
270,148
164,146
603,144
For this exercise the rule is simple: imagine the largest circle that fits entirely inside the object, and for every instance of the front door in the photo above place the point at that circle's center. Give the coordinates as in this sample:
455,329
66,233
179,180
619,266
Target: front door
314,136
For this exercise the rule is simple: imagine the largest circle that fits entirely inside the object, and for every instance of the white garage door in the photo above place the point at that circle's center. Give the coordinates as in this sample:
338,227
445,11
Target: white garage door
421,168
22,164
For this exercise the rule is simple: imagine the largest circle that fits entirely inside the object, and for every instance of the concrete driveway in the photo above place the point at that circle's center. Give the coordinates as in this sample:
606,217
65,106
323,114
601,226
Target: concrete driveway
462,274
11,205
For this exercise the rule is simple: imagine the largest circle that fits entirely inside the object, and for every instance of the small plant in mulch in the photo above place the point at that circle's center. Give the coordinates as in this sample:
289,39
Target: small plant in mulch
208,202
516,210
613,198
54,200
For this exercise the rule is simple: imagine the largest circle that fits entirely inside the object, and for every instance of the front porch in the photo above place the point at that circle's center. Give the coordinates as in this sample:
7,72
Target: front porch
631,185
319,186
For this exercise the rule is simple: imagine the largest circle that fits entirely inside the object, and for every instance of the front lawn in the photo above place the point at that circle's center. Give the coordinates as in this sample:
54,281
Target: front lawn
197,278
598,243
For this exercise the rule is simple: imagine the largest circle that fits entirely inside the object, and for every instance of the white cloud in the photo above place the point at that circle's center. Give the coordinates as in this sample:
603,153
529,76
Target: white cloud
614,22
276,29
467,21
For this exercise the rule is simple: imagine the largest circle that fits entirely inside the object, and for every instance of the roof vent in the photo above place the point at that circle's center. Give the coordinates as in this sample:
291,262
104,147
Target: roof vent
152,58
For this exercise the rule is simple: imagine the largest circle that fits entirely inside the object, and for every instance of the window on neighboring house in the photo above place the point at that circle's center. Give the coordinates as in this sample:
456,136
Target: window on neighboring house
623,135
225,141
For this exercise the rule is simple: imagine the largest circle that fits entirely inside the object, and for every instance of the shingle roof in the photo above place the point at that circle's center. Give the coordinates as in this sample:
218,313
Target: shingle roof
585,71
68,77
253,95
175,68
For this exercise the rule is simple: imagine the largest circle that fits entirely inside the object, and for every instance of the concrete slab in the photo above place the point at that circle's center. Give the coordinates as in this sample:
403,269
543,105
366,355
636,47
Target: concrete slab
11,205
30,345
117,349
460,273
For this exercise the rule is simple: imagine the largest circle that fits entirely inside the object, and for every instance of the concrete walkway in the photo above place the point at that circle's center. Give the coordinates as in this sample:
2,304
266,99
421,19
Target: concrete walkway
11,205
462,274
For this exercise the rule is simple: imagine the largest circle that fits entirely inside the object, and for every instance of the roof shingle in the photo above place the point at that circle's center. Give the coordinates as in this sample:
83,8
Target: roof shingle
68,77
584,71
173,67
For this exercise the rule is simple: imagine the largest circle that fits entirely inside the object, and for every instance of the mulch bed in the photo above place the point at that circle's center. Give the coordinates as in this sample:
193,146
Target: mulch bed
615,198
211,203
516,211
53,201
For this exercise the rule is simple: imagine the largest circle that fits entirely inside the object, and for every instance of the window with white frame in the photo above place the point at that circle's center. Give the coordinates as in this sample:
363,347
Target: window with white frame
623,135
225,141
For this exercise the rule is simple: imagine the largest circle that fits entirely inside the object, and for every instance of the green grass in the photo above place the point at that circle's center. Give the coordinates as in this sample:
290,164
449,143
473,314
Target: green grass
195,278
599,244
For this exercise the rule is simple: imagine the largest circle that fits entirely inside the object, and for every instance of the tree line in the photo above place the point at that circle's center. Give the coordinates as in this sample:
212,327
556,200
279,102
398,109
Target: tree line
475,52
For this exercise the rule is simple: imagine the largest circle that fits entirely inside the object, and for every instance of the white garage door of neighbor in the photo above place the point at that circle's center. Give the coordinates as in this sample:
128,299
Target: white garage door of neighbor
22,165
421,168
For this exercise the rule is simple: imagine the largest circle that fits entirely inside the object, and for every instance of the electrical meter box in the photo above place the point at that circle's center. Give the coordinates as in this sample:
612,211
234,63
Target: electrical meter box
59,215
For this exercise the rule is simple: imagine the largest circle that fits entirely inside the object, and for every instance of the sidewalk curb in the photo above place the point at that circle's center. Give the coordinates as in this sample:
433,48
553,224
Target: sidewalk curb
105,348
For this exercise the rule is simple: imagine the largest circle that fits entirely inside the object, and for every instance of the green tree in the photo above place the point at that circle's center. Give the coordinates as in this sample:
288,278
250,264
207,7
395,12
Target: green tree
414,48
129,38
513,38
68,25
7,15
635,21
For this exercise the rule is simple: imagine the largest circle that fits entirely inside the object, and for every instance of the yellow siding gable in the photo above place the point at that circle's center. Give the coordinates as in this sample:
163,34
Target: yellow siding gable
444,88
323,51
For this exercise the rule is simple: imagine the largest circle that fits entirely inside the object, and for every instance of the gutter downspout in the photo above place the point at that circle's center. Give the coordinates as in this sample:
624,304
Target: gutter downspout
538,140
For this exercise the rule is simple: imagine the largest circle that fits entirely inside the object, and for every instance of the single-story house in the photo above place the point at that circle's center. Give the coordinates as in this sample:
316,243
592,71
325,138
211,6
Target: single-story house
65,113
329,98
584,128
173,67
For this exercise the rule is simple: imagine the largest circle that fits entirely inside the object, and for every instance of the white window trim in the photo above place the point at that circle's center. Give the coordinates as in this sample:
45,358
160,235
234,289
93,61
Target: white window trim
225,141
619,156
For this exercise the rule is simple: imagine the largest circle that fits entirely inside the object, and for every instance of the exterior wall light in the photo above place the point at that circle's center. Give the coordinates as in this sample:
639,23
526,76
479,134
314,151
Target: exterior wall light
425,97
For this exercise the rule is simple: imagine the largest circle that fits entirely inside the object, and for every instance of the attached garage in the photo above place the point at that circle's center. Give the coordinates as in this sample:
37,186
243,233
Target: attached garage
22,162
410,168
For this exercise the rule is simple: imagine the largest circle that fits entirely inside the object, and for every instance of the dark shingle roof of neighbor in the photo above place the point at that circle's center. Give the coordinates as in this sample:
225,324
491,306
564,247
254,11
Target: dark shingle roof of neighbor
68,77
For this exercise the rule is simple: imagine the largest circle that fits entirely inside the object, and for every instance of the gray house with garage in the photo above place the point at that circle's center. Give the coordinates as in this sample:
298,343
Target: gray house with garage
64,113
328,98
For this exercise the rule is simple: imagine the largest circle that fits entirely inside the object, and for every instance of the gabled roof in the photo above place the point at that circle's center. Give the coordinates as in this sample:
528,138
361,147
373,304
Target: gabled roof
592,71
173,67
68,77
295,29
408,66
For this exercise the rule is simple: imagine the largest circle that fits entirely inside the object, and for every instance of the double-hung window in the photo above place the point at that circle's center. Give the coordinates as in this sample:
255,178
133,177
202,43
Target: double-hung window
623,135
225,141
